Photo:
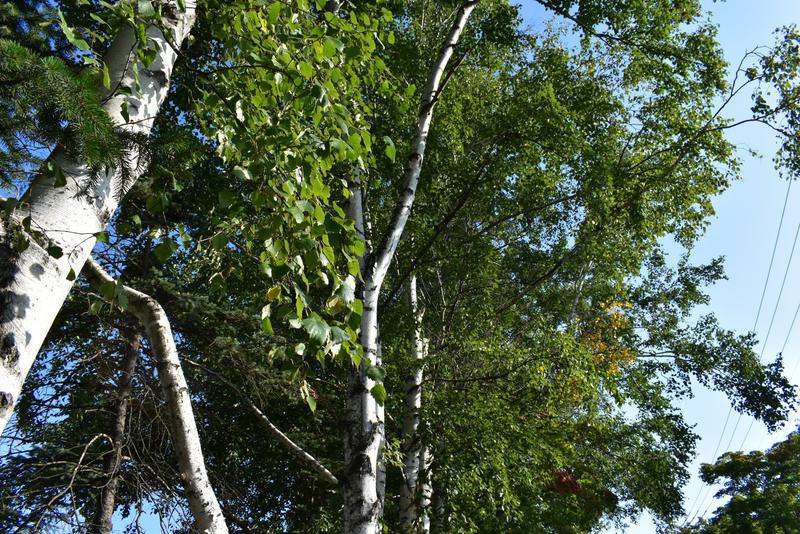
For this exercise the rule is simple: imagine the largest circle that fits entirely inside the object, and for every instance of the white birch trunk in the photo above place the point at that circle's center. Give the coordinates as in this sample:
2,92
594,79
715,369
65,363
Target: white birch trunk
363,508
364,417
410,497
34,285
425,489
202,501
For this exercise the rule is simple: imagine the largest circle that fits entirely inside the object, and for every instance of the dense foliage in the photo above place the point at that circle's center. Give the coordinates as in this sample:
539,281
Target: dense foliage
763,488
558,329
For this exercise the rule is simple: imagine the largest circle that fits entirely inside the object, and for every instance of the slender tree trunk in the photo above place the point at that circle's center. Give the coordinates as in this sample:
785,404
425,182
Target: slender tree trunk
202,500
413,453
105,510
34,284
364,439
425,489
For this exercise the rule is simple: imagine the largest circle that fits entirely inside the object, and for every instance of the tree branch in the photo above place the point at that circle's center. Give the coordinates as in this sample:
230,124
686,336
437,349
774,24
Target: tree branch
293,447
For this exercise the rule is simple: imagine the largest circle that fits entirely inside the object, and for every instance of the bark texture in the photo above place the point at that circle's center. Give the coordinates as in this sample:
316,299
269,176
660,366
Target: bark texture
362,481
33,284
364,417
202,501
413,502
105,511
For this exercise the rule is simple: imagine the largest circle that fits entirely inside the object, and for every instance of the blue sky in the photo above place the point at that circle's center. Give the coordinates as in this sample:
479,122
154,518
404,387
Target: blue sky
743,231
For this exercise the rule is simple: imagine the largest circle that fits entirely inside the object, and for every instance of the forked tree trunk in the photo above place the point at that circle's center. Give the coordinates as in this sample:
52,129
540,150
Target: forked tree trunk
105,510
364,417
202,501
34,284
363,496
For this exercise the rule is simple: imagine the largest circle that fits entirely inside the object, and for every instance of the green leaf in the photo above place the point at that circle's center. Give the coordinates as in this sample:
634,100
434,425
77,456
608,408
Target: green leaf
219,241
306,70
317,329
266,326
297,213
102,237
378,393
242,173
338,335
273,12
390,149
106,77
69,33
108,290
164,250
331,45
274,293
225,198
123,110
312,403
71,275
55,251
346,291
122,300
376,373
156,203
146,9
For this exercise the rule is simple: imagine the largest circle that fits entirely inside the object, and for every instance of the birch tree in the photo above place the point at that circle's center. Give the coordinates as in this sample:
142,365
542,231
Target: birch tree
202,500
365,419
415,490
60,222
552,168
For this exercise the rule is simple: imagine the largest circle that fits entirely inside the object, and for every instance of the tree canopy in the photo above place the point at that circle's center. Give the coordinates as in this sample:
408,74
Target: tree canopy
420,225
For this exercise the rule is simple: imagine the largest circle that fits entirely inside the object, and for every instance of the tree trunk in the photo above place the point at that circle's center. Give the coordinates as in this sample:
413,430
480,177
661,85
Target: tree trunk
414,454
364,416
34,284
202,500
439,511
364,427
105,511
425,489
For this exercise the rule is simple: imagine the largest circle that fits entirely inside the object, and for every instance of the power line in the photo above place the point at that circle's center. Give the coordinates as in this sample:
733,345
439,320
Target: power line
771,322
755,325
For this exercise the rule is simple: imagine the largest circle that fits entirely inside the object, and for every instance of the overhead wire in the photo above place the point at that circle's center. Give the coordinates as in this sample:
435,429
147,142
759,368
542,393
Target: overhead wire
771,322
690,516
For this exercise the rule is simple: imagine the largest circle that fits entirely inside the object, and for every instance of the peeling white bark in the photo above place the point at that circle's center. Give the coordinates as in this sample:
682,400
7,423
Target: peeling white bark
202,501
34,285
364,439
